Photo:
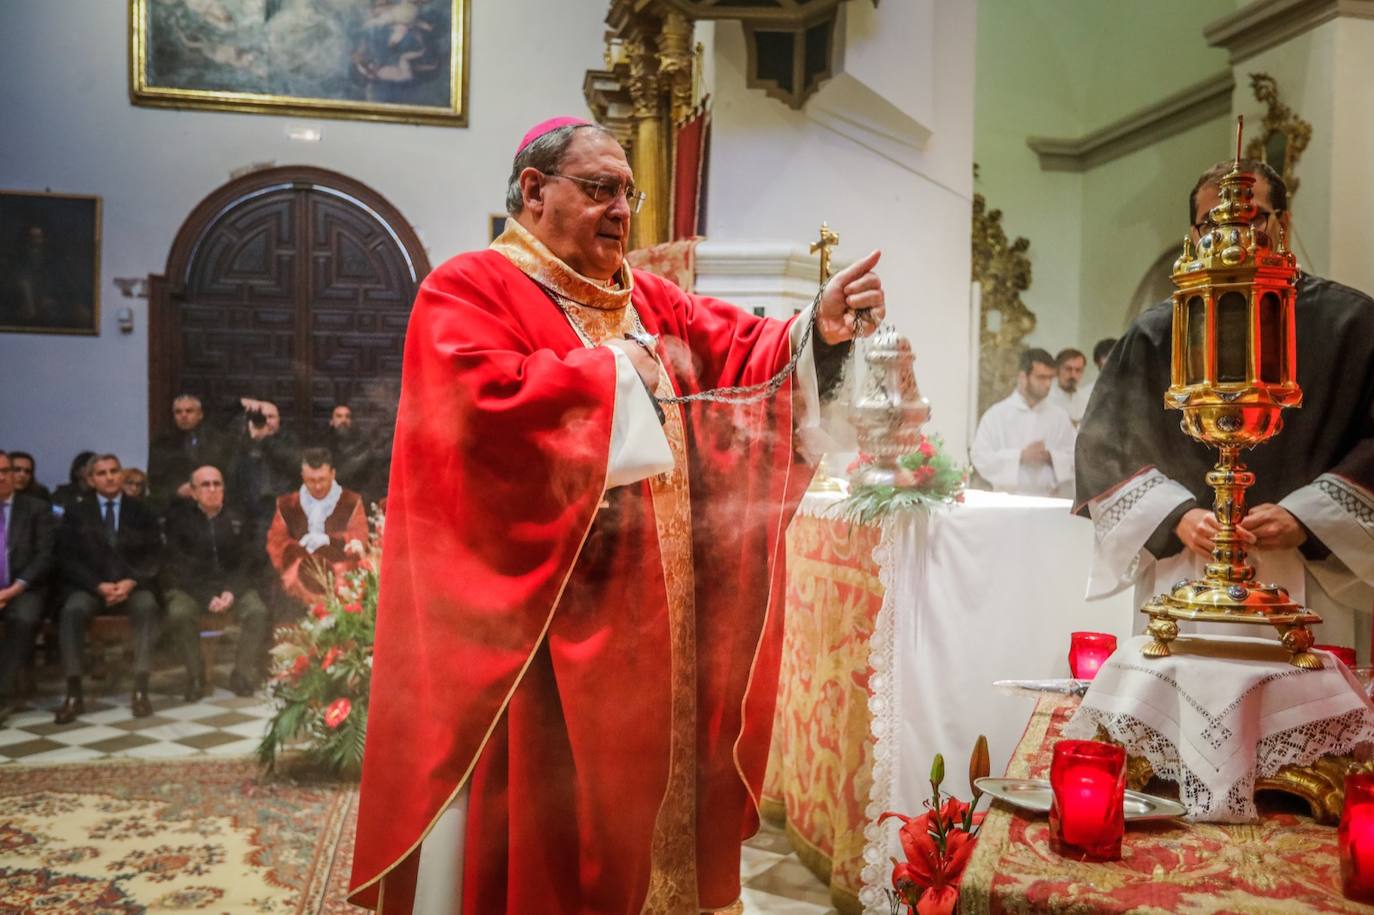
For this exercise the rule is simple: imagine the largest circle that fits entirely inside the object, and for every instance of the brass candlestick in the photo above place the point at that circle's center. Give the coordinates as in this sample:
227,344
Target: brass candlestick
1234,366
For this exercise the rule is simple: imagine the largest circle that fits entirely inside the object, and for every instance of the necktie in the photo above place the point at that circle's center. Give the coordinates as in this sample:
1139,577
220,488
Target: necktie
110,519
4,545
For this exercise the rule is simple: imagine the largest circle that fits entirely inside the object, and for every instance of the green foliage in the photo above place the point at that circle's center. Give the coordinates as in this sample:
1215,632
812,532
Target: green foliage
925,478
322,671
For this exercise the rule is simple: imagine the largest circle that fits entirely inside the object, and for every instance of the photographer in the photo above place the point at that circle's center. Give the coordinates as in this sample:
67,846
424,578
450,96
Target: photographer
265,463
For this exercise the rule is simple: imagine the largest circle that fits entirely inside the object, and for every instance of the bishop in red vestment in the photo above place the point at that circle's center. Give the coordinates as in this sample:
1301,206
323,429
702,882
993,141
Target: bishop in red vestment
581,601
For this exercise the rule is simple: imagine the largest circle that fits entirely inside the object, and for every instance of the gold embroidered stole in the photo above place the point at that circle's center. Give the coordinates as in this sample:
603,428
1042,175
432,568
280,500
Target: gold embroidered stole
597,314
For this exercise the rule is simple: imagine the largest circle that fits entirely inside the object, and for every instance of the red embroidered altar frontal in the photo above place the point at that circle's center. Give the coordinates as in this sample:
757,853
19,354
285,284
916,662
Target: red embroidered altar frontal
821,765
1284,863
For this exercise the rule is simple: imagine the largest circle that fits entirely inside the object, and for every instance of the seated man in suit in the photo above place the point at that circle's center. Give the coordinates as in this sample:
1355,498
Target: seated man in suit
209,567
26,559
110,548
312,528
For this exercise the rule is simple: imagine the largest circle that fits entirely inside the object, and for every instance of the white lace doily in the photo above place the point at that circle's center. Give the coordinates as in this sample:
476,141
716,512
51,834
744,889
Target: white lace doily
1222,712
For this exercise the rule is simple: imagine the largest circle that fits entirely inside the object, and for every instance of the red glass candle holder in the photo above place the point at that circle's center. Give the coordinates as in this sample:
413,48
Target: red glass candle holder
1356,838
1087,816
1344,652
1088,651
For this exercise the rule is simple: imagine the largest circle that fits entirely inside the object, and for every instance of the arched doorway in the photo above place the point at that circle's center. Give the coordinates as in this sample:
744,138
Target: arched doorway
290,284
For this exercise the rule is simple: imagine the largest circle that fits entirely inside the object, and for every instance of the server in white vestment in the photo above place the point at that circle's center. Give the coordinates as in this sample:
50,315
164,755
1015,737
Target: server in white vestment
1024,444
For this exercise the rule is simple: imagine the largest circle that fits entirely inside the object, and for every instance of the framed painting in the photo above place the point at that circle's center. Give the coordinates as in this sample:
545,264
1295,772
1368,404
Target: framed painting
372,60
49,263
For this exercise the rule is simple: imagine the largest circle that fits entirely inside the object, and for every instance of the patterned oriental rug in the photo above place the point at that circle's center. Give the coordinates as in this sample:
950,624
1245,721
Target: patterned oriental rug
120,838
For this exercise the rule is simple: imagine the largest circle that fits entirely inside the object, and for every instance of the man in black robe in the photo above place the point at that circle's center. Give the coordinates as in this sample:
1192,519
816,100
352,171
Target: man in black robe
1310,526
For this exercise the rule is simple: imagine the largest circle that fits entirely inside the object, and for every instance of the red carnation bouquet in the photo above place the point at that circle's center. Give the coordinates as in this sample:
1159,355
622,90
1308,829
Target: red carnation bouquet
925,477
937,844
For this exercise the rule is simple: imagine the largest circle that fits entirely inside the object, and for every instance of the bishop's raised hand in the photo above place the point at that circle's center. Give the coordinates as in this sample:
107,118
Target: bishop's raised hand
852,302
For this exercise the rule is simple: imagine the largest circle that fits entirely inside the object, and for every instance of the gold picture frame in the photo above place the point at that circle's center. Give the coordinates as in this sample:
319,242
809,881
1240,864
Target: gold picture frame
49,263
388,60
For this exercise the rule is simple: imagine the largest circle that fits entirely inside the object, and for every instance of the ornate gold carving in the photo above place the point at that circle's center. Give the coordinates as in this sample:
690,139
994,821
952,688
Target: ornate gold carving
1284,135
677,64
1003,271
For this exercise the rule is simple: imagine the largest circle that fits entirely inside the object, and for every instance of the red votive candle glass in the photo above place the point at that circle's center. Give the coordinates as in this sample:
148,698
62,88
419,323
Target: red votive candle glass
1356,837
1087,816
1344,652
1088,651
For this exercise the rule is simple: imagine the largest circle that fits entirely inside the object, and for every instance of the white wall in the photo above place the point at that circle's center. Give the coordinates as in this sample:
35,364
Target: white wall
775,174
1064,68
68,126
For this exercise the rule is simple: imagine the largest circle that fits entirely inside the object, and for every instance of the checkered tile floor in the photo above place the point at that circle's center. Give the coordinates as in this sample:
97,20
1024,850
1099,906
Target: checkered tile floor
219,725
222,724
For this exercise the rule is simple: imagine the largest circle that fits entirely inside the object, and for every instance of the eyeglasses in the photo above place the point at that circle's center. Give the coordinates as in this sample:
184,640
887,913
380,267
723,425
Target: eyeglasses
605,191
1259,222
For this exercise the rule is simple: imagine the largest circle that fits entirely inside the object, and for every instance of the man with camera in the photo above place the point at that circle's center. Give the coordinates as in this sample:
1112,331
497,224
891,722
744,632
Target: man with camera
265,463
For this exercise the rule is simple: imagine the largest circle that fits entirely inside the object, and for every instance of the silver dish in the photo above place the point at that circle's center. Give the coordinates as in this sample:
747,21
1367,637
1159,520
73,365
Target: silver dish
1035,794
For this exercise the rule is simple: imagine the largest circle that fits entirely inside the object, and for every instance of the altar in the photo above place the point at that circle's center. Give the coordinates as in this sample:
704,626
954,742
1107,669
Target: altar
894,636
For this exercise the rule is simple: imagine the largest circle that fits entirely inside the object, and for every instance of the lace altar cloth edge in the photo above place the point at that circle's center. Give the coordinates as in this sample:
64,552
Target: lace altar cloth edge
1220,713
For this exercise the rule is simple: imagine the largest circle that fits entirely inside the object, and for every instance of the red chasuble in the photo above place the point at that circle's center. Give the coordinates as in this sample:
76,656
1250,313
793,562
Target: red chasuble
598,667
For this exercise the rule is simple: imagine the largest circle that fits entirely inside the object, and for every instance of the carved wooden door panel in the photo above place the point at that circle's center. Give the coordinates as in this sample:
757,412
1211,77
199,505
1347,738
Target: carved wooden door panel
297,291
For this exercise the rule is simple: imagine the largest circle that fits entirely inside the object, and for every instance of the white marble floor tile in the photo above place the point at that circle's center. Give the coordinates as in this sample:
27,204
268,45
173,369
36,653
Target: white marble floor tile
759,903
78,736
754,861
64,755
159,750
175,731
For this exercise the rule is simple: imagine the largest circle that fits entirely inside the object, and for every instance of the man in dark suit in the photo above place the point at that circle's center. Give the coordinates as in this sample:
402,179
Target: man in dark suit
211,563
110,546
26,559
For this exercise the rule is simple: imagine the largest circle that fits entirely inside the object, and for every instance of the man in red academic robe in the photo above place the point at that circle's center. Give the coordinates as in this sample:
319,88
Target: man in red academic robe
313,527
581,601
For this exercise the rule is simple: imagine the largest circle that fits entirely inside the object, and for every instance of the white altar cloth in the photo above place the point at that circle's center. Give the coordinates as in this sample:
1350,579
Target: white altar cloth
1222,711
977,592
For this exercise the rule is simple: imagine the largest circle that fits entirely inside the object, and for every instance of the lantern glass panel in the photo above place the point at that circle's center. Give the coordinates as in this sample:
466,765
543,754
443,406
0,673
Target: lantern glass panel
1195,343
1233,338
1272,344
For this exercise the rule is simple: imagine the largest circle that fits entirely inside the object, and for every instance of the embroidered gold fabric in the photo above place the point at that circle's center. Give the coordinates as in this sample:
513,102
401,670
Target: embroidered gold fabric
598,314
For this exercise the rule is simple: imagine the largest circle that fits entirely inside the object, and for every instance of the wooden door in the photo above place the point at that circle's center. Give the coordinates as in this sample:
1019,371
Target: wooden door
292,285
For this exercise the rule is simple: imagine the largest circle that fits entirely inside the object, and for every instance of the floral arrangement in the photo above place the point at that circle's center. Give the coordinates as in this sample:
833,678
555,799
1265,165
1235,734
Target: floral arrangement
925,477
937,844
322,669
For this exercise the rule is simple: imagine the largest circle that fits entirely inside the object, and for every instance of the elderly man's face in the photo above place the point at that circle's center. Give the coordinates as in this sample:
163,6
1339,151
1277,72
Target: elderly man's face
187,414
207,488
589,237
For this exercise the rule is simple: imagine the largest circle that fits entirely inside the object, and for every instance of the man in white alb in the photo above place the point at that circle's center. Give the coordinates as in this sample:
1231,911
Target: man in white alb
1025,443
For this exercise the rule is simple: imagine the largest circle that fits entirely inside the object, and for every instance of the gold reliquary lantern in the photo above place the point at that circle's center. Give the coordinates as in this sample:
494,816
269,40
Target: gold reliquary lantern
1234,372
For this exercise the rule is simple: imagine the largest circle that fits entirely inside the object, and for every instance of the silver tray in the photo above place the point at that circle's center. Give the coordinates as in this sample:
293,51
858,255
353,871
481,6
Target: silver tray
1035,794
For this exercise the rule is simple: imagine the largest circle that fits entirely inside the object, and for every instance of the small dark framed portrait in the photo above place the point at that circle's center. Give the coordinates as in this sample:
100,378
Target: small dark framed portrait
49,263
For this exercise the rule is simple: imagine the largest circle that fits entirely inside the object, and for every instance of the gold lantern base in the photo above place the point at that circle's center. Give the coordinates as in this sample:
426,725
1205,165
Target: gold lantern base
1223,602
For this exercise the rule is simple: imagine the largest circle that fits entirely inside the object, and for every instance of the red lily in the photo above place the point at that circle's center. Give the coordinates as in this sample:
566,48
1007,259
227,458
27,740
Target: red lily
928,880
